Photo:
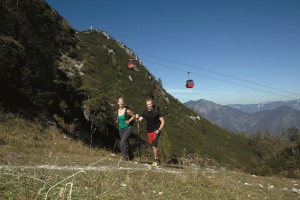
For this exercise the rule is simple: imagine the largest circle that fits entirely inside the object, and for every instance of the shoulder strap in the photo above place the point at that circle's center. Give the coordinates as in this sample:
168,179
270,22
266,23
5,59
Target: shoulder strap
155,109
126,114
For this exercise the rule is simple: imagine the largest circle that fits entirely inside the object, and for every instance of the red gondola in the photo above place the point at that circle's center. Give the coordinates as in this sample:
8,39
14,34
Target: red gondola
131,63
189,82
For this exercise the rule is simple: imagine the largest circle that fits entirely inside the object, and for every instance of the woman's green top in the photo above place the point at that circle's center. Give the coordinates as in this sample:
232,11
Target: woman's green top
122,121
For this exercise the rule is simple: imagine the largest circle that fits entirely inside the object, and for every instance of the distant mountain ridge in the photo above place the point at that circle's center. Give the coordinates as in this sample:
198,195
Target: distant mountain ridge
252,108
236,120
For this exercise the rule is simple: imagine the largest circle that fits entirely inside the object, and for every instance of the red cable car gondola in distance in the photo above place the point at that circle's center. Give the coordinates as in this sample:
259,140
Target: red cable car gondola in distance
189,82
131,63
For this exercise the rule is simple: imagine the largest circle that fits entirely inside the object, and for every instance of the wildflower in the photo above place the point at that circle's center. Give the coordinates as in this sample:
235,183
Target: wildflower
270,186
296,190
61,192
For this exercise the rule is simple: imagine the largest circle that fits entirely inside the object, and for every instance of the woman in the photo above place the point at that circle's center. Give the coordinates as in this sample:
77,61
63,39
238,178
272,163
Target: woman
124,127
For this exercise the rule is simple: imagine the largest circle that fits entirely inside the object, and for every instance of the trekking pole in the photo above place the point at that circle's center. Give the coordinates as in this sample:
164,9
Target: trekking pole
163,150
139,138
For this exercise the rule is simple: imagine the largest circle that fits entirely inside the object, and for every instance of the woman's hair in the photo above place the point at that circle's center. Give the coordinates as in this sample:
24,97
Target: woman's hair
121,98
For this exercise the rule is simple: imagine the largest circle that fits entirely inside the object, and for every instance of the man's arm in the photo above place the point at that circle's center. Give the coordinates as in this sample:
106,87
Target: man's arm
162,123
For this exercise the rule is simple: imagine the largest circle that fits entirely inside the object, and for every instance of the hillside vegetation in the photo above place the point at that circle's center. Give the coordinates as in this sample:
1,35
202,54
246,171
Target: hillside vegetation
32,37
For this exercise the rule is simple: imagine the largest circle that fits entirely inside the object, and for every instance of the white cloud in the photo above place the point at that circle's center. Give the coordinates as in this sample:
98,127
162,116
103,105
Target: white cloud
222,97
175,91
183,91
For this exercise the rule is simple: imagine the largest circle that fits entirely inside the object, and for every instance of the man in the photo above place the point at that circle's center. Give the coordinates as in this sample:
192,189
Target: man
155,123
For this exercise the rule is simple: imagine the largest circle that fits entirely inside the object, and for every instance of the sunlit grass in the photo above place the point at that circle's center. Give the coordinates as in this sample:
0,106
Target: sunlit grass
41,163
137,184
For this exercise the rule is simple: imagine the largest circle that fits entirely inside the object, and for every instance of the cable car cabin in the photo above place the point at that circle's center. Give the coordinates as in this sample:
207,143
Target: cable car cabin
189,83
131,63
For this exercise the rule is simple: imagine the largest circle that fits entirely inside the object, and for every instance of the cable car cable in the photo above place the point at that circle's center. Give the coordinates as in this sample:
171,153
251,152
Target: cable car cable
210,71
175,68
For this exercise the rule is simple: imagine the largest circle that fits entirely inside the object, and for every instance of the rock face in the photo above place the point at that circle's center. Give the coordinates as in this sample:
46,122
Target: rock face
236,120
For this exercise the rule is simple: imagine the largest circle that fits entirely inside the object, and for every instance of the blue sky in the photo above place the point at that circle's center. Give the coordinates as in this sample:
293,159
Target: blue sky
237,51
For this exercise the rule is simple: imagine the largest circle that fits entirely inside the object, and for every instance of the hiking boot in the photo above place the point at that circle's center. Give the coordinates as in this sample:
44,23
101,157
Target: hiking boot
125,158
156,163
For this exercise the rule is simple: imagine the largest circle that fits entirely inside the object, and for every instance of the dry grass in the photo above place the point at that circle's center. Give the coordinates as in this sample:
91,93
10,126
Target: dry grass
136,184
103,176
25,143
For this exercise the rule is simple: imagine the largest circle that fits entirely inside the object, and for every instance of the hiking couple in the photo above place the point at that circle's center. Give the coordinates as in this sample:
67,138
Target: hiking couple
155,123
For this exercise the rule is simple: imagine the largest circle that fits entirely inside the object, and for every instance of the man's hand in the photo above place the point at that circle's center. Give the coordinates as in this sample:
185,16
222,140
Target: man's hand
138,118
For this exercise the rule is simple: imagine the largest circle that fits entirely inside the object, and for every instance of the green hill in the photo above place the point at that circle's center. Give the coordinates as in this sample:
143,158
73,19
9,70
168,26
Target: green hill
50,72
106,76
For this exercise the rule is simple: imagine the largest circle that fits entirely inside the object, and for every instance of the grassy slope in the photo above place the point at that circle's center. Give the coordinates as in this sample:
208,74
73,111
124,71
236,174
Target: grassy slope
25,143
180,134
